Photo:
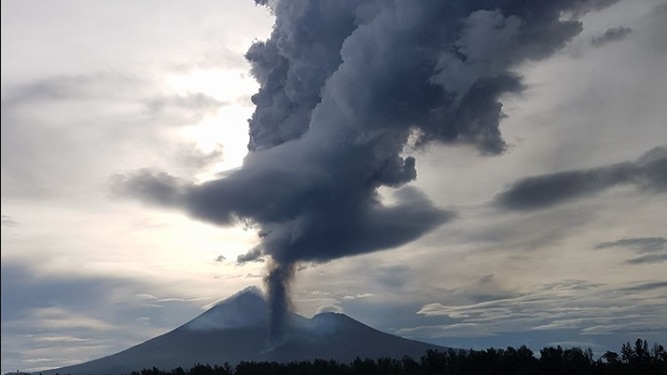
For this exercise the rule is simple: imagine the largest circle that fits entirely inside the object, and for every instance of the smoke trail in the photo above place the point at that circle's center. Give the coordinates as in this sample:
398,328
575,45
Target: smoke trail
344,84
277,282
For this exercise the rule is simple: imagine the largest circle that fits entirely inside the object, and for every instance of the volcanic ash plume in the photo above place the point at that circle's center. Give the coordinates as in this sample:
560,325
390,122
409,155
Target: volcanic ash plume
344,84
277,282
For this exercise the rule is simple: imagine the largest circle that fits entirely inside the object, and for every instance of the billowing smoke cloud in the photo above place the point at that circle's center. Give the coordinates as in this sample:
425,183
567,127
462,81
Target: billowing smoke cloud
345,85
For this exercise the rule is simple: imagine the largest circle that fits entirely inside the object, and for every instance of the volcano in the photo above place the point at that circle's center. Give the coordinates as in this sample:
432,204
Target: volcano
235,330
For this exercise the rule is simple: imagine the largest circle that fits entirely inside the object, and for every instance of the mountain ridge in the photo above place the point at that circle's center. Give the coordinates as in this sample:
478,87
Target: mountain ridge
234,330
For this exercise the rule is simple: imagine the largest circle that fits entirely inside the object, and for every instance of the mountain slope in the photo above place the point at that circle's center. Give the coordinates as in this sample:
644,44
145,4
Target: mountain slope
337,336
234,330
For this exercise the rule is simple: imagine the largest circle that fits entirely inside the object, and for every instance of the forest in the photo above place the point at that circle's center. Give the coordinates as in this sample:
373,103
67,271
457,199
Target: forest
633,359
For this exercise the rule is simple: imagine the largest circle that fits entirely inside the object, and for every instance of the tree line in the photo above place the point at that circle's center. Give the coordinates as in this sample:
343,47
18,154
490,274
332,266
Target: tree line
633,359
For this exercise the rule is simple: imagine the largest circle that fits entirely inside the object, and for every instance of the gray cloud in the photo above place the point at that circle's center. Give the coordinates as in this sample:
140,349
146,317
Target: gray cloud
651,249
103,115
649,172
254,255
576,305
486,279
8,221
79,314
394,277
496,231
652,285
111,88
25,289
613,34
649,258
642,244
192,102
192,157
63,88
150,186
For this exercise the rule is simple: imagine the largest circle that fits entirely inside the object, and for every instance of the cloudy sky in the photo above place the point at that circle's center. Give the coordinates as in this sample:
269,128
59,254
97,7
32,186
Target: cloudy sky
125,124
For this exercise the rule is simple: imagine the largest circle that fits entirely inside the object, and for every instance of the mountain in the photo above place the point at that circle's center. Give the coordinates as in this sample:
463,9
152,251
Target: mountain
234,330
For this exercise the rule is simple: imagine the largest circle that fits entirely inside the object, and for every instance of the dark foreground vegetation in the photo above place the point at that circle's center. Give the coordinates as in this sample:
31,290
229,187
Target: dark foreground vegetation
633,359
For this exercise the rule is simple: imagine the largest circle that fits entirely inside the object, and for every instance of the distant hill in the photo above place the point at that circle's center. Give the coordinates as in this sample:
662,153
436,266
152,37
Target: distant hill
235,329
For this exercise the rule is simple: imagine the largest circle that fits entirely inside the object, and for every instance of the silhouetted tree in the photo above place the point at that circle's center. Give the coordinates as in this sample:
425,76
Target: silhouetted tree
637,359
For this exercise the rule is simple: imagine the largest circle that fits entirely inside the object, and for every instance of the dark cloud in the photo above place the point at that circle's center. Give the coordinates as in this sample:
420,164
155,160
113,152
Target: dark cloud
254,255
649,173
651,249
652,285
648,259
642,244
613,34
220,258
344,85
150,186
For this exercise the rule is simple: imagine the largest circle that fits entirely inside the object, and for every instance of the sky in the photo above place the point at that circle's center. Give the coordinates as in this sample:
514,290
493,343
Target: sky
125,124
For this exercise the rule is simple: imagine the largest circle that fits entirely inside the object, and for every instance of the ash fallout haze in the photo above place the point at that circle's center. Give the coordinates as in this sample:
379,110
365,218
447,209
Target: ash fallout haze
465,173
